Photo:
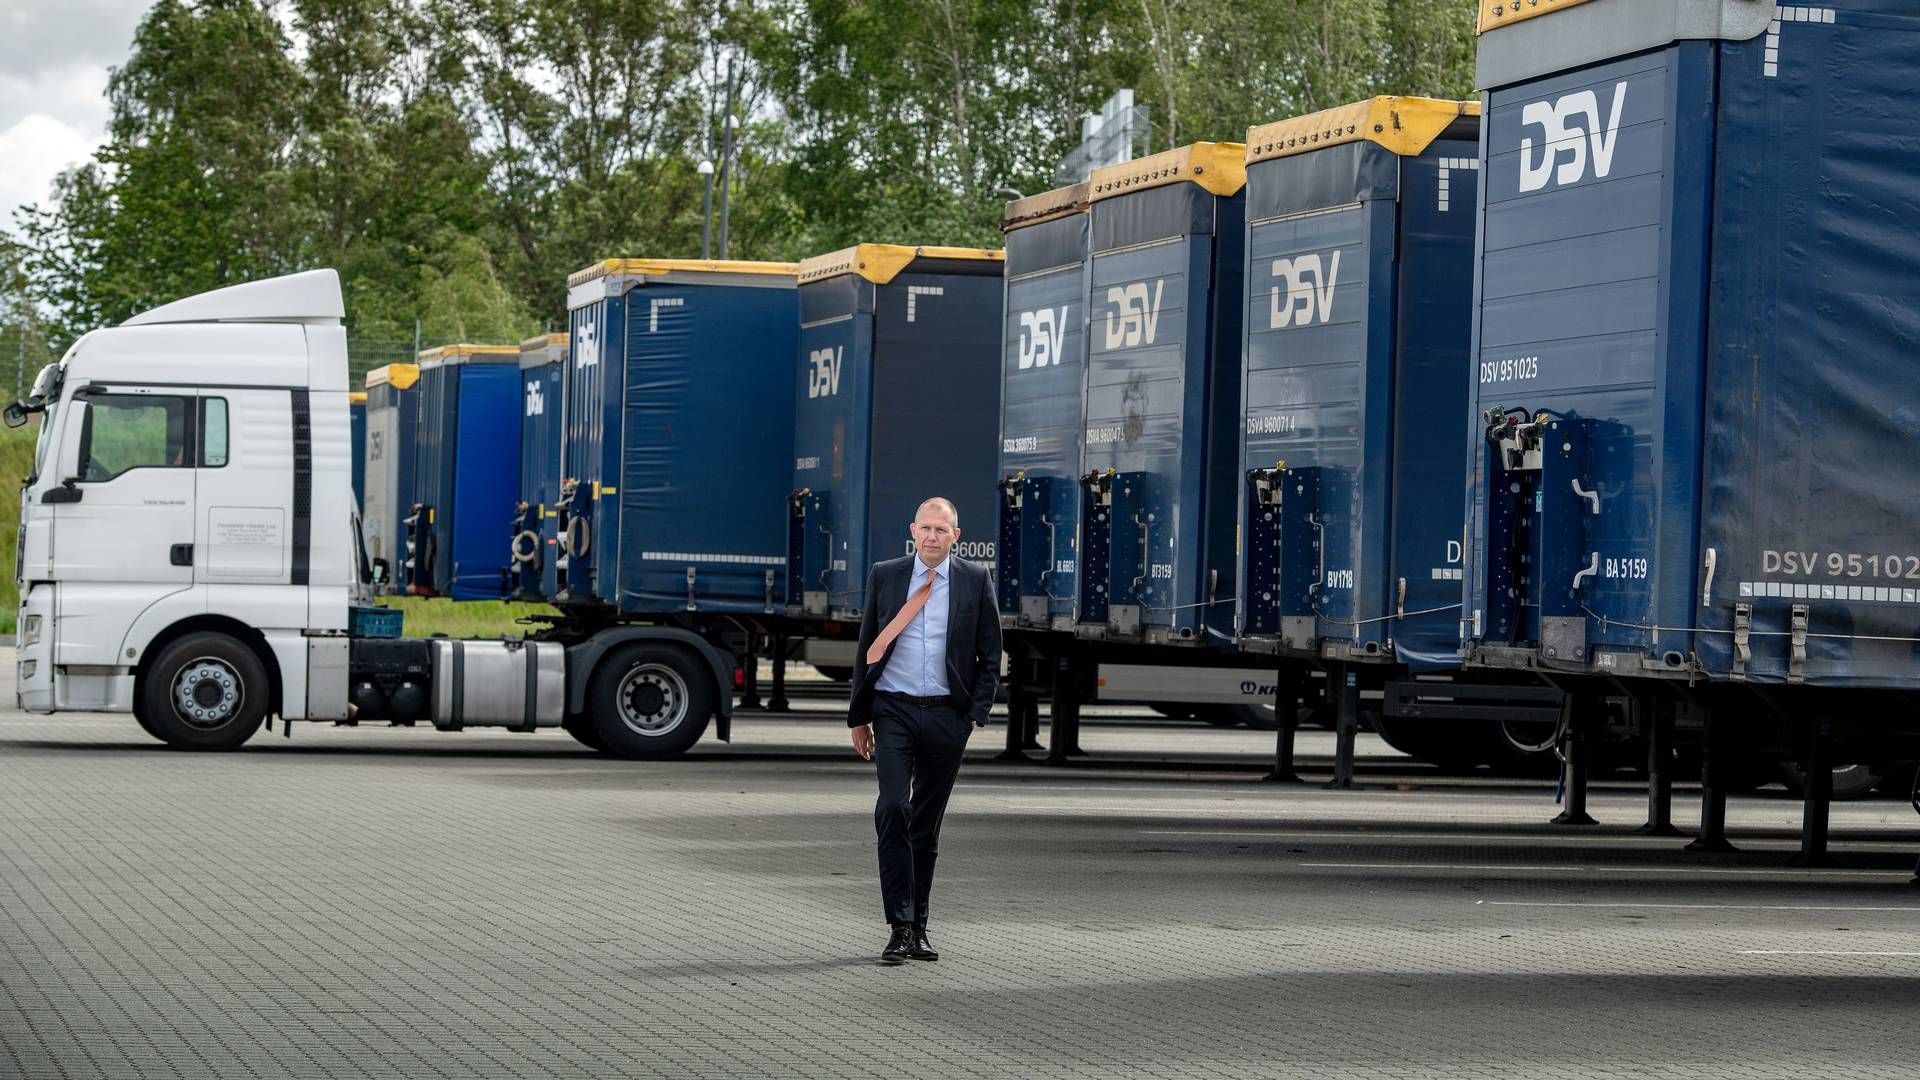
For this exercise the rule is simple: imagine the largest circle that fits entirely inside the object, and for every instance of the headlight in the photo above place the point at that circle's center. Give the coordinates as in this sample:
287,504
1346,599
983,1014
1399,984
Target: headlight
27,669
30,630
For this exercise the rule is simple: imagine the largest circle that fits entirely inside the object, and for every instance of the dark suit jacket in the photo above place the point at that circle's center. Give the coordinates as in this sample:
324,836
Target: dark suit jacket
973,636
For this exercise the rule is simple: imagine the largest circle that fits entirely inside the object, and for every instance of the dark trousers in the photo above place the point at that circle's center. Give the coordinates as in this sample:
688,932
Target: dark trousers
916,752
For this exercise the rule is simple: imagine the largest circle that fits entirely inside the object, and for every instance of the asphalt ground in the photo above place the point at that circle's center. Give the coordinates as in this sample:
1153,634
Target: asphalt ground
408,903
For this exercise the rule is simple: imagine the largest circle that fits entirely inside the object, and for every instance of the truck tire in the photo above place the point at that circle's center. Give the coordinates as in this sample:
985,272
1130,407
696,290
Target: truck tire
650,701
583,729
1849,781
206,691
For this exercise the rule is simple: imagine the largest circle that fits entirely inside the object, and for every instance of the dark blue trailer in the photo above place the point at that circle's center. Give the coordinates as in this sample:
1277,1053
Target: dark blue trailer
357,435
678,437
1043,372
1160,462
898,399
393,421
466,471
535,536
1695,309
1360,224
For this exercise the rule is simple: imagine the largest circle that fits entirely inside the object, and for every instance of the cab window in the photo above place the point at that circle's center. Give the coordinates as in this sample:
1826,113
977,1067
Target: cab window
136,431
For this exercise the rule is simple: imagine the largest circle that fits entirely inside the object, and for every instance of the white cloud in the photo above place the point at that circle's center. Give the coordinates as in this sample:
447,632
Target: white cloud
65,119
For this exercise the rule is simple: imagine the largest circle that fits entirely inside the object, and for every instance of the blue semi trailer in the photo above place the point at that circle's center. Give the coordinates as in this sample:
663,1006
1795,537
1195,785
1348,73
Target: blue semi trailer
393,421
1360,226
1694,471
357,425
534,539
896,400
466,471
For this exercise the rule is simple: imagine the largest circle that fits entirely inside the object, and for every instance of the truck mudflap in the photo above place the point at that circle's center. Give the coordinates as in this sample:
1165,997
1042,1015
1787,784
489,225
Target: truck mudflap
583,658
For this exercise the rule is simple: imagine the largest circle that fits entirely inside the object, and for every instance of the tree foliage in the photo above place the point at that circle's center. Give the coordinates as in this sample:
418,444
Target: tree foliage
456,159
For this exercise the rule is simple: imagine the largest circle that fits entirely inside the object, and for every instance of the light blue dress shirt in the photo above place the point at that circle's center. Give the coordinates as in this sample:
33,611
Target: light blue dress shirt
919,663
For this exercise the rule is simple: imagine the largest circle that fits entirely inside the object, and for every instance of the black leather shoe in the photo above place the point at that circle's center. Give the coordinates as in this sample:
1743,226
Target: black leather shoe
922,949
899,946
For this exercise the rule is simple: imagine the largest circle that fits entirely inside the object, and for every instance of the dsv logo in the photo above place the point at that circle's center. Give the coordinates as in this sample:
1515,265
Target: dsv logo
823,372
1135,317
586,346
1308,290
1042,336
1559,138
536,401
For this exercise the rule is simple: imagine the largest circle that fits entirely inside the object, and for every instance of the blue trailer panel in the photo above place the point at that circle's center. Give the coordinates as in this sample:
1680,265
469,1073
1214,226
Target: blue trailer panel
357,434
393,422
1696,303
1043,373
678,433
1160,461
1359,285
535,534
897,401
467,473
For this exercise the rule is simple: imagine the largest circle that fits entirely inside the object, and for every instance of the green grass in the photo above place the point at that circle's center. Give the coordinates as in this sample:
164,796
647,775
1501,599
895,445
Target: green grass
466,619
16,461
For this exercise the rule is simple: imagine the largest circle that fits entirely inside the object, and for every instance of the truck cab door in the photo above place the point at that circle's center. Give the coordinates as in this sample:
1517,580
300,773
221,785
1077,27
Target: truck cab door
244,531
127,513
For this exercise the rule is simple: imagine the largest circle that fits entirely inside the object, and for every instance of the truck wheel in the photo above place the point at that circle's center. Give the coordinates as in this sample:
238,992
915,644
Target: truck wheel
1849,781
205,691
650,701
583,729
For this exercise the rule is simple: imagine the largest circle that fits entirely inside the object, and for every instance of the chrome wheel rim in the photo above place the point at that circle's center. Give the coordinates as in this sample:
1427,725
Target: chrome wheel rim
652,700
208,693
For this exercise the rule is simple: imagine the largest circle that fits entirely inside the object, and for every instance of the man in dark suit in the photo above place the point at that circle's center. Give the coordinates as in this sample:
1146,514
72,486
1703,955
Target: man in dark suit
923,679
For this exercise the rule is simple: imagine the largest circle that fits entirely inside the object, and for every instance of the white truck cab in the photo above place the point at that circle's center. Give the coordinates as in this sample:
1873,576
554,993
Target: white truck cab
192,478
189,552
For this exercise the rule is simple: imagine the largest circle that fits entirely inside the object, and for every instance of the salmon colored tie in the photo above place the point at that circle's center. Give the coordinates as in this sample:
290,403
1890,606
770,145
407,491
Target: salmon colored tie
914,603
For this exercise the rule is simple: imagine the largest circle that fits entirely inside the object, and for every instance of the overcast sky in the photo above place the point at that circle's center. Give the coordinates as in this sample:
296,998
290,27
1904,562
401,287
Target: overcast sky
54,56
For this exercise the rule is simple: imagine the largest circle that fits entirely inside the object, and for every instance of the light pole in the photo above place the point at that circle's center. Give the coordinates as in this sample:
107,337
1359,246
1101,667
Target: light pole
705,169
726,160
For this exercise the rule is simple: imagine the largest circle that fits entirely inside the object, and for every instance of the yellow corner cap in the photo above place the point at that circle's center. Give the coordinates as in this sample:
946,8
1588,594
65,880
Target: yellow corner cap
398,376
1219,167
1495,14
356,397
881,263
1046,206
542,341
639,267
449,352
1403,125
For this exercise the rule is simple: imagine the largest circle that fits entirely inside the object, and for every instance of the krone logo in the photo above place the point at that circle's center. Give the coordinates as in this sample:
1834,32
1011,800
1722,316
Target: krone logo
1561,140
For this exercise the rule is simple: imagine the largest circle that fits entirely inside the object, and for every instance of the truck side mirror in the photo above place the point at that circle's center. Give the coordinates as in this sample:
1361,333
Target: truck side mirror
15,415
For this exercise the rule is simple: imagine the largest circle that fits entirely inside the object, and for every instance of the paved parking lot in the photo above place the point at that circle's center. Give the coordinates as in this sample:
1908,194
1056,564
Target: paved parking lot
410,903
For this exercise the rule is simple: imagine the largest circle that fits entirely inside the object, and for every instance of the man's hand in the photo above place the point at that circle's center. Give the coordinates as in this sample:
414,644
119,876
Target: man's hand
863,741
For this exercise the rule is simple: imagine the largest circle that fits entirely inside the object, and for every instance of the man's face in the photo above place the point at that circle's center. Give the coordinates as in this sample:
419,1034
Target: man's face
933,534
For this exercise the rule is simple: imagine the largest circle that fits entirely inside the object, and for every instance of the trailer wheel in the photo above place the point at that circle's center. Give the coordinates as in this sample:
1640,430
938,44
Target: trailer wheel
1849,781
206,691
650,701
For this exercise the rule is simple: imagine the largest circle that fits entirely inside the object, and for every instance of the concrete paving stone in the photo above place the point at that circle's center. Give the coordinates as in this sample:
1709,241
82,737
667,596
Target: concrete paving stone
379,903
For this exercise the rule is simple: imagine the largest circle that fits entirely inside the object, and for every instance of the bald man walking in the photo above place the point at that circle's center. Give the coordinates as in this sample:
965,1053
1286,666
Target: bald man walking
923,679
